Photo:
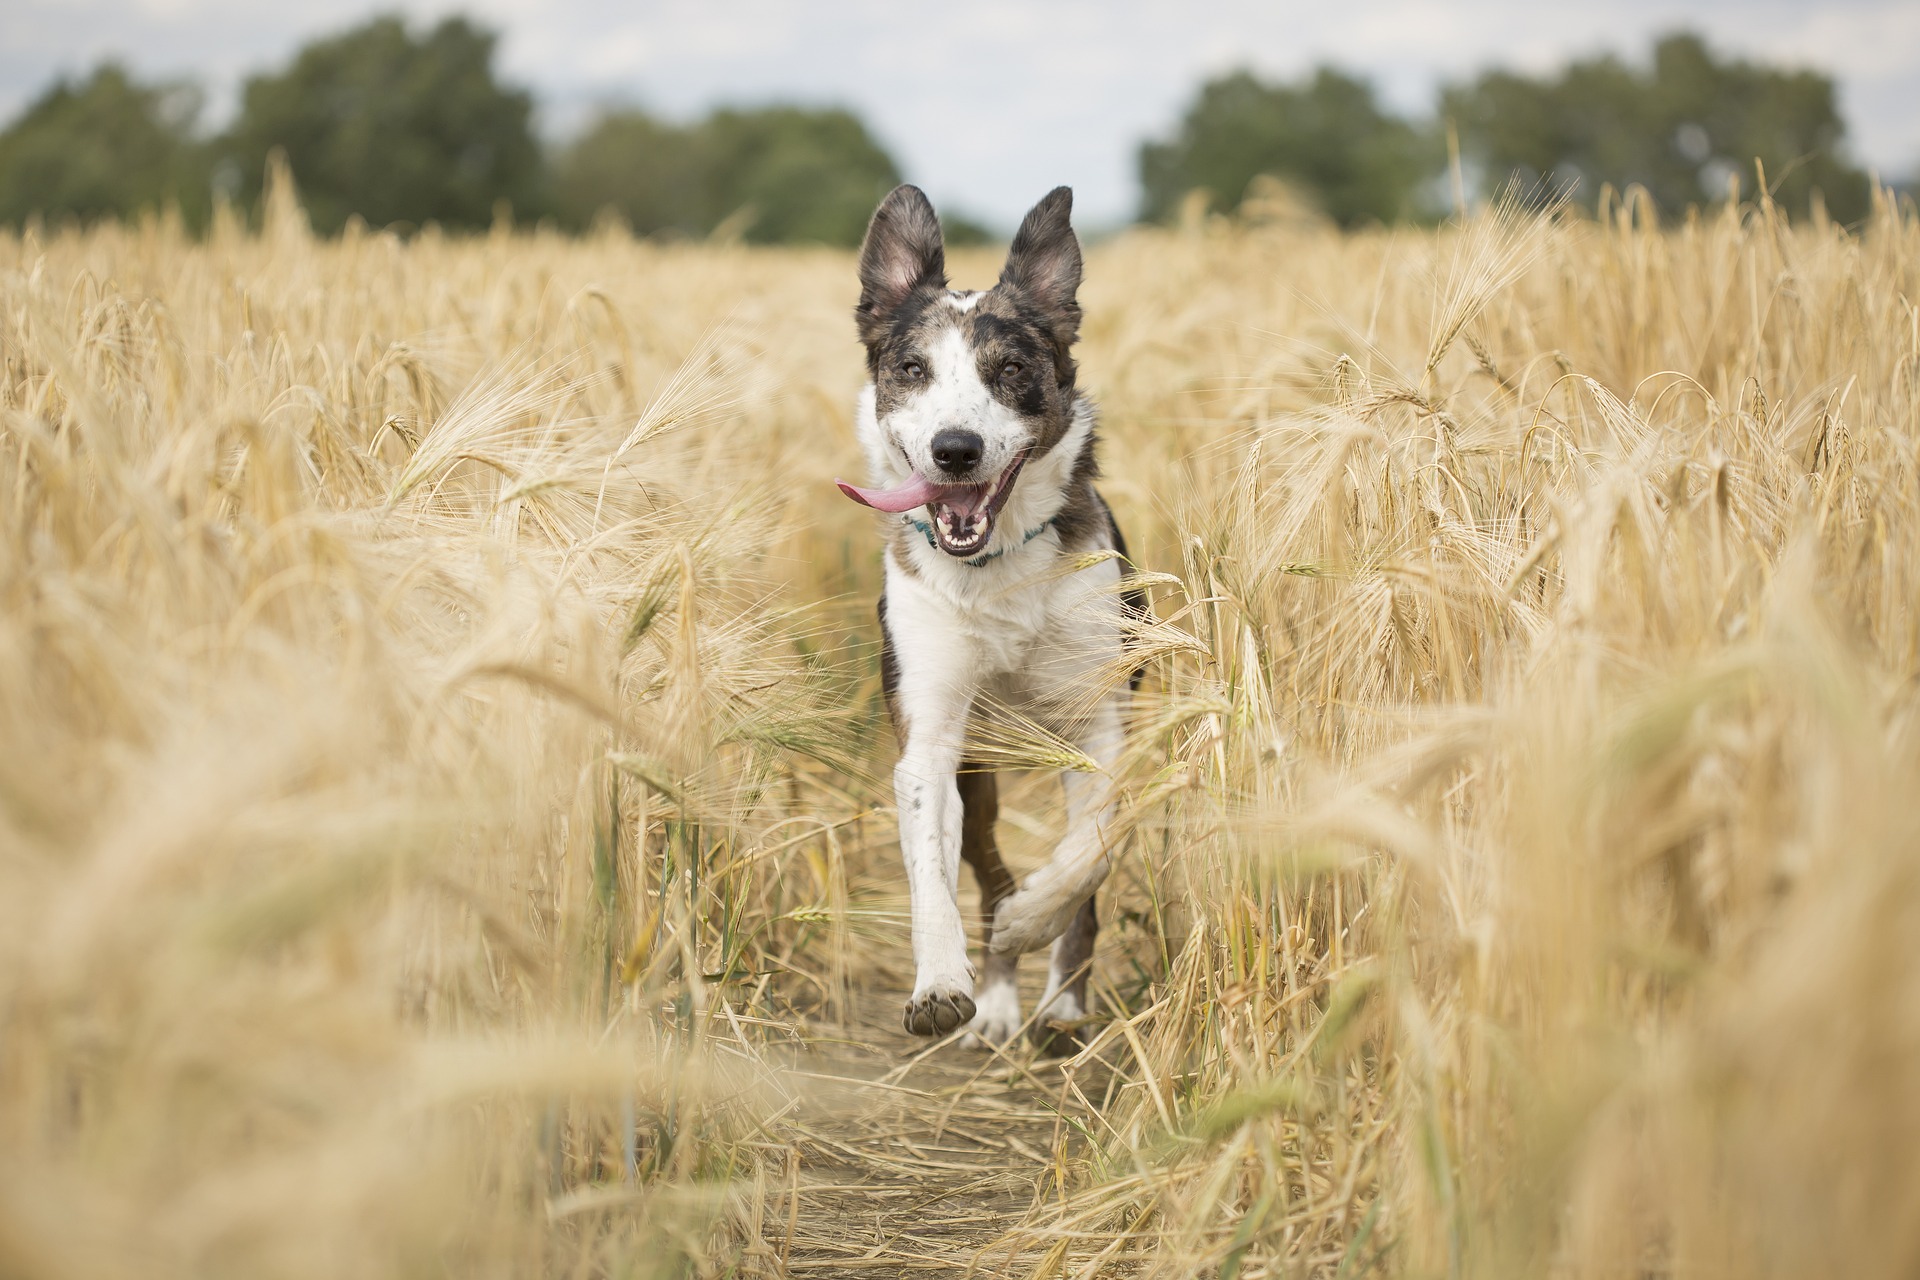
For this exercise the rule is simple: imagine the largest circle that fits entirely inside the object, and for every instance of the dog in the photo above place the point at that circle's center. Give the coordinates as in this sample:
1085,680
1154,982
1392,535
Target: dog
982,451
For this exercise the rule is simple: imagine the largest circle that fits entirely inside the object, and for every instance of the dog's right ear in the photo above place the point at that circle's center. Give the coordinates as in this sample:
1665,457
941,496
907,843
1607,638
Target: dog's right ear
902,253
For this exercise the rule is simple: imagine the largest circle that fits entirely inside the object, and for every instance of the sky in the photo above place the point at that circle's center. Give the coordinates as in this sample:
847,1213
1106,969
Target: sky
988,104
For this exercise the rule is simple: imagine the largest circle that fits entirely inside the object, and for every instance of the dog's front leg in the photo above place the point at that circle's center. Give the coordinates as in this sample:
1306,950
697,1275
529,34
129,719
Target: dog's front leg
1045,903
934,714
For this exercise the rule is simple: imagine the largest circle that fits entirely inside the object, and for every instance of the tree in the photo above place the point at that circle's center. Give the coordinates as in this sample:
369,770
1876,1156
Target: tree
1327,137
808,174
635,166
394,128
1680,127
107,147
789,174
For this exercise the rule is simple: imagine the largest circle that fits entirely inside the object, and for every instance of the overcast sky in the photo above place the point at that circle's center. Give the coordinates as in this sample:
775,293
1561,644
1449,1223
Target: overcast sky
988,104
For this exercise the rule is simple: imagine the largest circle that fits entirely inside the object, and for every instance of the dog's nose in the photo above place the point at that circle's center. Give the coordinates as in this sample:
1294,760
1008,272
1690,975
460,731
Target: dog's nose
957,452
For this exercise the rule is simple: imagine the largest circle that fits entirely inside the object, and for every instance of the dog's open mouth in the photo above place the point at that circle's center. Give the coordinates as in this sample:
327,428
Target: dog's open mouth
963,514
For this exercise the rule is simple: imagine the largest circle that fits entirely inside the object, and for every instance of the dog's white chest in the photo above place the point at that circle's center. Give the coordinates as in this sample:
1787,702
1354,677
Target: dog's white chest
1022,639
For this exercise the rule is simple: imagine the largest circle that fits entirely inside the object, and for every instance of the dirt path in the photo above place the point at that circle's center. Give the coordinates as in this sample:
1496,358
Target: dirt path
911,1160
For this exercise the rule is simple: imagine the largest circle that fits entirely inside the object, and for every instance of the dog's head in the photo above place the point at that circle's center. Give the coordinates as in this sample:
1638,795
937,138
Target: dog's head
968,387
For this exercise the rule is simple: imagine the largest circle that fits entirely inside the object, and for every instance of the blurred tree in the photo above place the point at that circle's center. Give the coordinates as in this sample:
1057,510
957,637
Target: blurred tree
777,174
394,128
633,165
1327,138
807,174
1680,128
961,232
107,147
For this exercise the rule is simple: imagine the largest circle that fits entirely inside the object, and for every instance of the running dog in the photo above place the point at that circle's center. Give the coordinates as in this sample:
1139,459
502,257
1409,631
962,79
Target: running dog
982,451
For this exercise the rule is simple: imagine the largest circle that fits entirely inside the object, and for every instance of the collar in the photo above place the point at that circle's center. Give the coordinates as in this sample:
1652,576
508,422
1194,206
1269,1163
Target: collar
926,531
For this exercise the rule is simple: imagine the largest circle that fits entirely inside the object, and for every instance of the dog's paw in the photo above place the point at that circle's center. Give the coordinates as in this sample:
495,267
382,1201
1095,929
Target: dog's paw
1056,1039
1030,918
996,1020
1058,1031
938,1009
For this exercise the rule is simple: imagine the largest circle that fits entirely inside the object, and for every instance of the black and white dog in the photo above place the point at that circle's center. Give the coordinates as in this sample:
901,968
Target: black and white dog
983,451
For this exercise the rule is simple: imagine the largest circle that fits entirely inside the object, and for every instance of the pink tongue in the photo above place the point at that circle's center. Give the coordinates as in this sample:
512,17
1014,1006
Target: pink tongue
917,492
965,499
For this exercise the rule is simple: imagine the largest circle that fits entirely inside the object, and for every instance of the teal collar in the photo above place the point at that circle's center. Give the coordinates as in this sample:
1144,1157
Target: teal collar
926,531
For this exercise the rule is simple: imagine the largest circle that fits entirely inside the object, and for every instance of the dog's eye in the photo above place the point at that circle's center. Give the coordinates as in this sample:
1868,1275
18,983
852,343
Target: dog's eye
913,369
1011,369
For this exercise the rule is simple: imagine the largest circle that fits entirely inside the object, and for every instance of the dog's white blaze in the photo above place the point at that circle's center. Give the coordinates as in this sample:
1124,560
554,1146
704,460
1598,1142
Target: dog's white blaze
955,397
963,300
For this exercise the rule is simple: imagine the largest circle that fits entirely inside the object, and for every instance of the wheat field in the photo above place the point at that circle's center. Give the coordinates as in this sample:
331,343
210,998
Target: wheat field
442,827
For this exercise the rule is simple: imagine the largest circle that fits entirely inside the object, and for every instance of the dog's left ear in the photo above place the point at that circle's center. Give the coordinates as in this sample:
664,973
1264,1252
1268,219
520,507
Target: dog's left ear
1044,264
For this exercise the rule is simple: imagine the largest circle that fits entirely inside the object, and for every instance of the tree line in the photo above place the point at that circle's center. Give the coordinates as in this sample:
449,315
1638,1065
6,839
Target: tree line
398,127
1683,126
402,127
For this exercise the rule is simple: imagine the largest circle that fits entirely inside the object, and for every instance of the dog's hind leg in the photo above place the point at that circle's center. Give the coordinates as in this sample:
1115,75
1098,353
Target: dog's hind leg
1047,902
1055,1029
996,1016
